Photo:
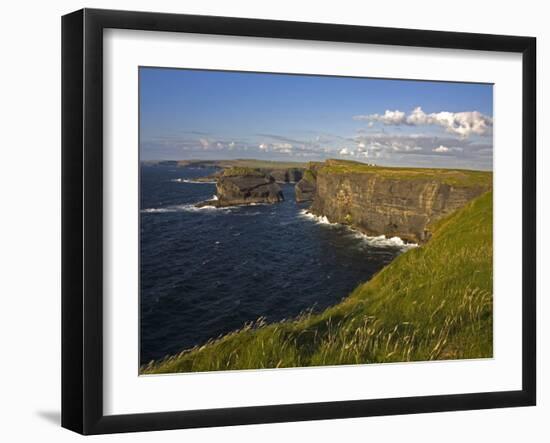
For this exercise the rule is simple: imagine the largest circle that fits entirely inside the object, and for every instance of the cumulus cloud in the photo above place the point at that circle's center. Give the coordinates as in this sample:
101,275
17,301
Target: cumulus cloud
442,148
285,148
399,146
346,151
388,118
462,124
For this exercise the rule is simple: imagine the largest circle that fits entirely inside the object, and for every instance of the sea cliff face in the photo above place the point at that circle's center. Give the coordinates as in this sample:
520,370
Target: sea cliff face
285,175
393,201
305,188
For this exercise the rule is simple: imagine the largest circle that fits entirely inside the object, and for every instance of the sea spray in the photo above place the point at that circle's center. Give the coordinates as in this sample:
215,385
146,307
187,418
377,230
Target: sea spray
182,208
379,241
196,182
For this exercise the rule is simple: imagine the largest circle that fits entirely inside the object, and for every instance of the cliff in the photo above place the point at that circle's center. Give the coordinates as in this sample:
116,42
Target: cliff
305,188
284,175
398,202
243,186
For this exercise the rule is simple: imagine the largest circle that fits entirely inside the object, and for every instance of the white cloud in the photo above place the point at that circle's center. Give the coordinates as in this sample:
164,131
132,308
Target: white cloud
442,148
398,147
346,151
282,147
462,124
388,118
285,148
400,144
204,143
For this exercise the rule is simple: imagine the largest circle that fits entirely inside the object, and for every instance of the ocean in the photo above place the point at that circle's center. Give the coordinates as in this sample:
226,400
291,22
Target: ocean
206,272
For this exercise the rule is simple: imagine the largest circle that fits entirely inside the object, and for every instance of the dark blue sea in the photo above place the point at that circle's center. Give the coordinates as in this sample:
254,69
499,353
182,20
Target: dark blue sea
206,272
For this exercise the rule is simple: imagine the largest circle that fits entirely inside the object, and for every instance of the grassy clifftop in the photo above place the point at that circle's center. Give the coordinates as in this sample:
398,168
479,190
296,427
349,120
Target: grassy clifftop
431,303
455,177
236,171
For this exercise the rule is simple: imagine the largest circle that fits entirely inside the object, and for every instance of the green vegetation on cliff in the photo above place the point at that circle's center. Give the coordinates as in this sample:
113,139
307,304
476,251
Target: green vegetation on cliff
242,171
455,177
433,302
309,176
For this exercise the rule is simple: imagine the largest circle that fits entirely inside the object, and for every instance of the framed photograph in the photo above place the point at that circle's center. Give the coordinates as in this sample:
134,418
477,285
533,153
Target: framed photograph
268,221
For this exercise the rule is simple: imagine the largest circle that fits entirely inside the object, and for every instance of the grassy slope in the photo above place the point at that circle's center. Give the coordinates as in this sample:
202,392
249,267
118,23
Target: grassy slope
432,302
455,177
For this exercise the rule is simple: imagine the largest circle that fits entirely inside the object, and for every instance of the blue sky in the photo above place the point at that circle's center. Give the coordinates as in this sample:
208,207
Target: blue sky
195,114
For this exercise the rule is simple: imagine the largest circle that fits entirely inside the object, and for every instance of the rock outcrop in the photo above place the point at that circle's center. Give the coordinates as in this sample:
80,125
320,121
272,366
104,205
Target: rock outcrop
398,202
243,186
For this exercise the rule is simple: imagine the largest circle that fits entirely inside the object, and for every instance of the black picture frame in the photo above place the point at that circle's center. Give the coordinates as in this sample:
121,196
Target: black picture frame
82,219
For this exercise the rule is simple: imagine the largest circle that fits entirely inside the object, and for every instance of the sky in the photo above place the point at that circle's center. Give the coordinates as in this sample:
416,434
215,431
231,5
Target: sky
198,114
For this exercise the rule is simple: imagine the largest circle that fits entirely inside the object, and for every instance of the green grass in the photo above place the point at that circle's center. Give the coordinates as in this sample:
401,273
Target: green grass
455,177
309,176
431,303
240,171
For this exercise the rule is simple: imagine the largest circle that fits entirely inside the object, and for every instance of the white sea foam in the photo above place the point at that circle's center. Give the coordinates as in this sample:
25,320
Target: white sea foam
156,210
320,219
193,208
182,208
196,182
380,241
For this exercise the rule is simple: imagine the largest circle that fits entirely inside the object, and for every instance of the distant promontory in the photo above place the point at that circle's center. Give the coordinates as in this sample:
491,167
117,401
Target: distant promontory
244,186
282,172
